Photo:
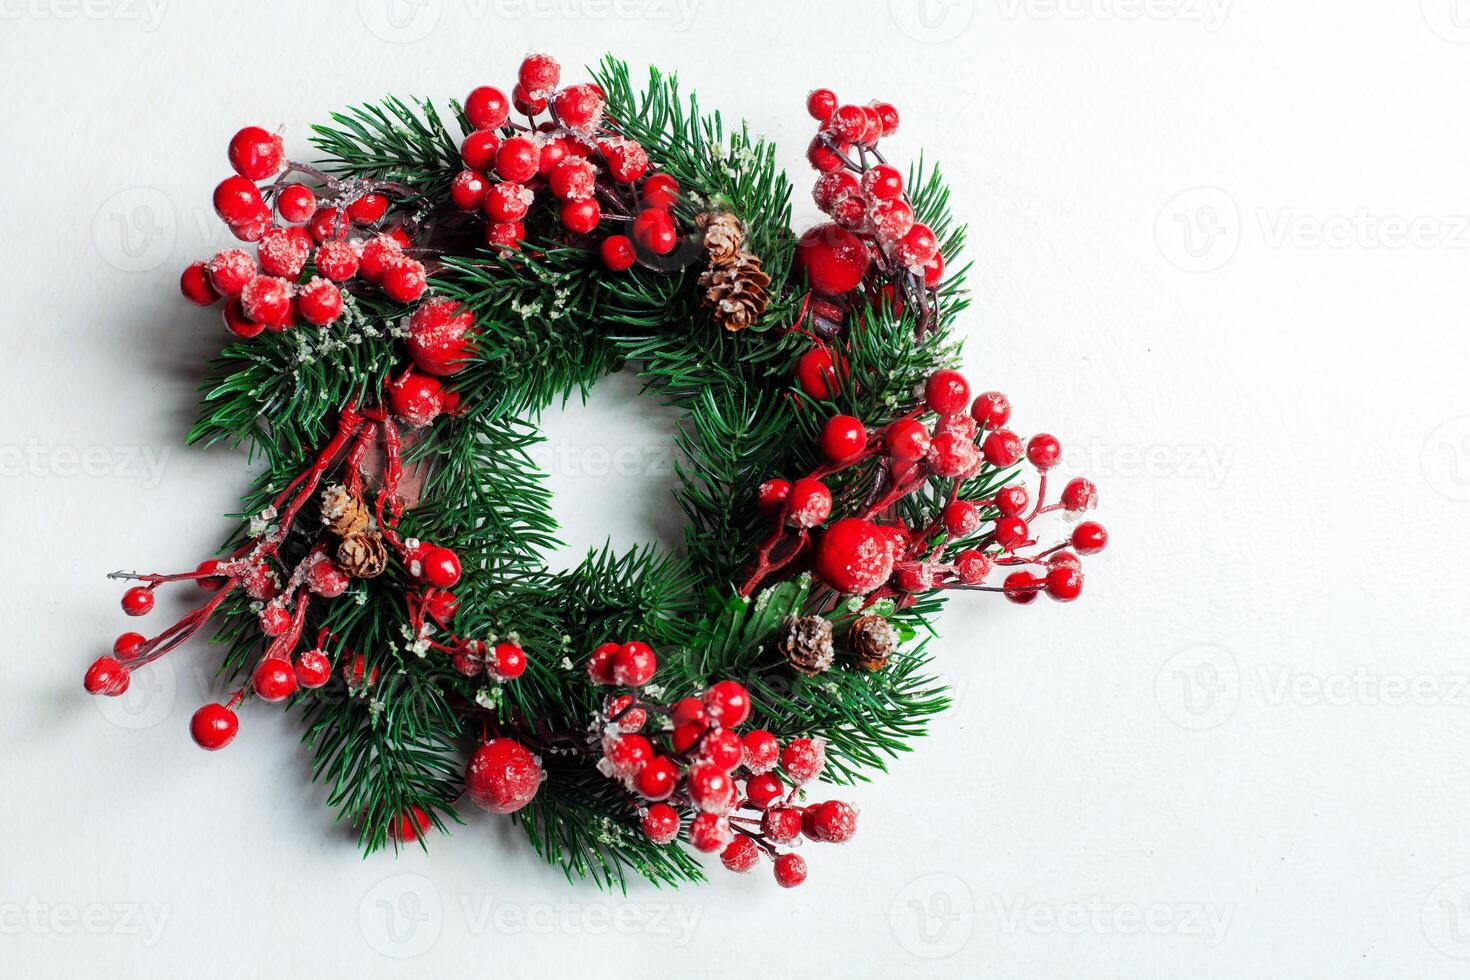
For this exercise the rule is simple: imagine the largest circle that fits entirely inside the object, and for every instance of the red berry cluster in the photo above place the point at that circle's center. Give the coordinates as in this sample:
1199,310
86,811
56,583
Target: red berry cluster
570,159
738,804
338,227
875,554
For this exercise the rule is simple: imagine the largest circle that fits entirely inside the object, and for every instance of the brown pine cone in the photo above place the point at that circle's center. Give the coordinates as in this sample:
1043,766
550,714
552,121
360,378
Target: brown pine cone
723,235
807,644
344,512
362,555
736,290
872,640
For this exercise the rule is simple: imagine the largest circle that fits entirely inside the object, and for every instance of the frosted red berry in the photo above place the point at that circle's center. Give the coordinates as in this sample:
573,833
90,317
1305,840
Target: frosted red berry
1044,451
882,182
296,203
266,299
817,373
907,439
710,788
517,159
1089,538
507,201
1011,532
195,285
661,823
961,518
741,855
834,259
313,669
502,776
1064,582
660,191
1002,448
573,179
854,556
320,302
634,664
1079,494
230,270
991,409
539,73
946,392
764,790
468,190
952,454
507,662
416,398
579,107
626,160
916,247
809,503
803,759
709,832
790,870
771,495
728,703
599,664
487,107
834,822
404,280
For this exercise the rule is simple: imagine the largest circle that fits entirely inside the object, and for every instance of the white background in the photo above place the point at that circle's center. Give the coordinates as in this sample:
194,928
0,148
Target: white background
1245,753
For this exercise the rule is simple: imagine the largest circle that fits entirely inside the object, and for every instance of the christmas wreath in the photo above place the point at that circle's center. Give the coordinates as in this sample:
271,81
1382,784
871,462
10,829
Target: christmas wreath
417,296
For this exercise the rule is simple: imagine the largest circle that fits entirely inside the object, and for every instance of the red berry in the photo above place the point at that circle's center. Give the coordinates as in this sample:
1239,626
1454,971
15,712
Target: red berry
503,776
835,259
847,122
803,759
326,225
1011,532
1079,494
230,270
764,790
213,727
296,203
404,280
790,870
710,788
526,103
914,577
872,126
740,855
781,824
820,103
661,823
439,336
824,157
256,154
809,503
657,779
274,680
952,454
854,556
137,601
629,719
772,495
882,182
274,619
507,201
1064,582
336,260
628,754
1044,451
505,234
1089,538
478,150
409,824
368,209
439,567
843,438
377,255
934,270
517,159
252,229
819,372
946,392
961,518
196,287
283,251
106,676
468,190
1022,587
237,200
728,703
416,398
685,737
891,220
916,247
972,566
579,107
834,187
599,664
320,302
573,179
617,253
313,669
660,191
761,751
991,409
626,160
127,645
581,217
691,711
907,439
654,231
238,323
634,664
508,662
1002,448
709,832
553,152
835,822
1013,500
539,74
487,107
722,748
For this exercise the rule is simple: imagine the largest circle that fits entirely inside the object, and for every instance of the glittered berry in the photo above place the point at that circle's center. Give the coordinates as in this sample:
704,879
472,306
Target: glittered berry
213,727
505,234
761,751
972,566
914,577
106,676
626,160
951,454
847,122
790,870
487,107
502,776
961,518
843,438
377,255
836,186
771,496
916,247
660,191
266,299
764,790
626,717
517,159
834,822
710,788
809,503
821,103
854,556
1022,587
137,601
626,755
728,703
405,280
573,180
634,664
741,855
617,253
882,182
539,73
1089,538
230,270
196,287
661,823
946,392
1002,448
654,231
890,220
709,832
416,398
991,409
804,758
581,217
1011,532
579,107
256,154
313,669
657,779
507,201
478,150
252,228
439,336
722,748
1079,494
781,824
320,302
821,155
327,225
468,190
1064,582
283,251
274,680
835,259
237,200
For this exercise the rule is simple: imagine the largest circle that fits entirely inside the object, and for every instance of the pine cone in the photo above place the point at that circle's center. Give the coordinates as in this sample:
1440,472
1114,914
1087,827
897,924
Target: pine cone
723,236
736,290
344,512
872,640
807,644
362,555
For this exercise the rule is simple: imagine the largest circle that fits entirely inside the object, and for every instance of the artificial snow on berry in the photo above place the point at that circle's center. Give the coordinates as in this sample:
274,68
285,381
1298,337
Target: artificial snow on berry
502,776
661,823
740,855
854,556
808,504
439,336
727,702
804,758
